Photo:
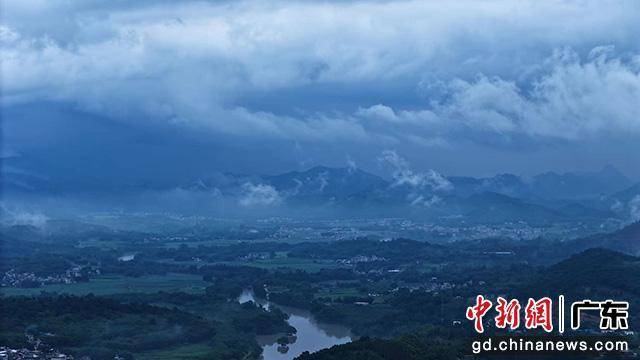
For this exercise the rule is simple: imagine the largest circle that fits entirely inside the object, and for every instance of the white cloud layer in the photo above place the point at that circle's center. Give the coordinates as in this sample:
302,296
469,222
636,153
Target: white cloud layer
634,208
18,217
486,71
403,175
259,195
573,100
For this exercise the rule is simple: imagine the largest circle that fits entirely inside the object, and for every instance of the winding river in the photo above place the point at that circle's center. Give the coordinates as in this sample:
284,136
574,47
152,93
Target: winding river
311,336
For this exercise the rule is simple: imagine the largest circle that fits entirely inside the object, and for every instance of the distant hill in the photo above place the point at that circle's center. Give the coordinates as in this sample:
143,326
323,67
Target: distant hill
549,185
506,184
576,210
627,194
625,203
570,185
495,207
625,240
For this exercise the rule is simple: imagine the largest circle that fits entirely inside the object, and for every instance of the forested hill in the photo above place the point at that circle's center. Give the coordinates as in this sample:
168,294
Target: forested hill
593,273
625,240
429,343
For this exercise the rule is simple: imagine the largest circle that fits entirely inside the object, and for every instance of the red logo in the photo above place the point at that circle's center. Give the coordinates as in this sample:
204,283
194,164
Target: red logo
538,314
477,312
508,313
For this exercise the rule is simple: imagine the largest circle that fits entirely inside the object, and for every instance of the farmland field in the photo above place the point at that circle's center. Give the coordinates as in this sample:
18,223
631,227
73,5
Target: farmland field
107,285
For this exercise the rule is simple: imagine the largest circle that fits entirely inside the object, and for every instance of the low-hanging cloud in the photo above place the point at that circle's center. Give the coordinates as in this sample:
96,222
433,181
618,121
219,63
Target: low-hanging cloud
634,208
18,217
259,195
421,200
403,175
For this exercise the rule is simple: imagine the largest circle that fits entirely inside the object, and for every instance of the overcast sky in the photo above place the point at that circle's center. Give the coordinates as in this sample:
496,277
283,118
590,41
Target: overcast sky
164,91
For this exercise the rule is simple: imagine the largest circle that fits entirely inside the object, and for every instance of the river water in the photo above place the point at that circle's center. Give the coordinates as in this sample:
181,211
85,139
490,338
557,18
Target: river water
311,336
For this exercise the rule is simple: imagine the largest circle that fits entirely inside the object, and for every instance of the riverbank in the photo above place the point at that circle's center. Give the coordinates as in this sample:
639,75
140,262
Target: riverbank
311,335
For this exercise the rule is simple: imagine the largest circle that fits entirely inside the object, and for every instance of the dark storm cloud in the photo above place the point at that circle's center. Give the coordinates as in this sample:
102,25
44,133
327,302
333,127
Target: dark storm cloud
335,80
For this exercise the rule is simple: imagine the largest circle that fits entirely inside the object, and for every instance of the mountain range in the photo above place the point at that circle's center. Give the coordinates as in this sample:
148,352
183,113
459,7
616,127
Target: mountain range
350,191
504,197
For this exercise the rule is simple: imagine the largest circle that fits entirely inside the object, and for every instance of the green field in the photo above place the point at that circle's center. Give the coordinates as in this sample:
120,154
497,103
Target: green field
340,293
280,261
289,262
107,285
